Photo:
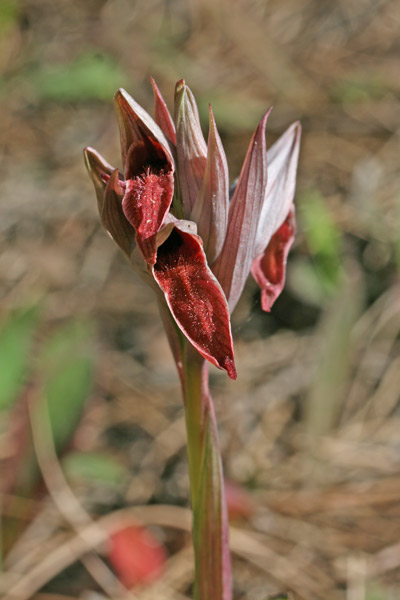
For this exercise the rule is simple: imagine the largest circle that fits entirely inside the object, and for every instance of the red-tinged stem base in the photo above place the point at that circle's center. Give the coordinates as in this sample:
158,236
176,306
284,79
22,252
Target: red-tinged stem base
213,579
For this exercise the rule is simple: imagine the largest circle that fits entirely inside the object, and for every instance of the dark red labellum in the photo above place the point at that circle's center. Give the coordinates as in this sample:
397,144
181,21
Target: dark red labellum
195,298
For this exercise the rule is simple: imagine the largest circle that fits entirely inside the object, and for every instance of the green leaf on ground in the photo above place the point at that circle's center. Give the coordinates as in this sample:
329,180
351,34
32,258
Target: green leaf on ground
62,380
16,340
333,358
323,239
95,467
9,10
91,76
361,87
66,373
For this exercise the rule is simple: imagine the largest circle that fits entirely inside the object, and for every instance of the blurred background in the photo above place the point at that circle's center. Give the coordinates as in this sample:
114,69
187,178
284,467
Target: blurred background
92,440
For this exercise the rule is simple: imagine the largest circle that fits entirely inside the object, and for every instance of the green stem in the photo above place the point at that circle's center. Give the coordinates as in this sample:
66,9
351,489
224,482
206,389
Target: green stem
210,522
193,393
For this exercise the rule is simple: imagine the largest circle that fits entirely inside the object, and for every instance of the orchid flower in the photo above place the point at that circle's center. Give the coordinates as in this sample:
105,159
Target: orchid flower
169,211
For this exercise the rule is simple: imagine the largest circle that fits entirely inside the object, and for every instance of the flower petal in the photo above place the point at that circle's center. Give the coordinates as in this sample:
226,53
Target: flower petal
282,160
269,269
162,114
145,205
113,218
234,262
142,141
97,167
195,298
191,147
210,210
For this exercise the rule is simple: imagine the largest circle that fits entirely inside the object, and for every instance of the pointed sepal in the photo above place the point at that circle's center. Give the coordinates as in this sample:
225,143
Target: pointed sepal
162,115
113,218
210,210
282,160
269,269
99,170
234,262
191,147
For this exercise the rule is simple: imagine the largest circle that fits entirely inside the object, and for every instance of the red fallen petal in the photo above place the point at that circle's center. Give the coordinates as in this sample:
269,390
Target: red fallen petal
136,555
195,298
269,269
239,502
147,200
162,114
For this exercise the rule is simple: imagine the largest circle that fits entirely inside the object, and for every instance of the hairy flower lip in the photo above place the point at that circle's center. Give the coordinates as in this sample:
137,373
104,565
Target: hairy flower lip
194,296
146,203
149,169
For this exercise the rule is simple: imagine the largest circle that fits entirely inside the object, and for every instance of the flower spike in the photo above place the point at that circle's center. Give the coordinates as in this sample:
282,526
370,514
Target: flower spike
169,174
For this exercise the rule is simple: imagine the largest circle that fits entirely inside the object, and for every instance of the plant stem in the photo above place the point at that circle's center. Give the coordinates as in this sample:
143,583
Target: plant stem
193,394
210,522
